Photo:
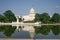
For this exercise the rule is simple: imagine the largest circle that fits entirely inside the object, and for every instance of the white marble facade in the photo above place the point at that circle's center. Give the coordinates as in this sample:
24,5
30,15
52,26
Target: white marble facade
29,17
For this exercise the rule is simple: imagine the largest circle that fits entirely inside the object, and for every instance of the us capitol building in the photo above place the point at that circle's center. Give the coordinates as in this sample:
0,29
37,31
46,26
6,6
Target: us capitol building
29,17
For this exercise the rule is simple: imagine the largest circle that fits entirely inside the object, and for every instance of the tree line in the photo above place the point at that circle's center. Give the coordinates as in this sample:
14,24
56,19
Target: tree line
46,18
9,16
44,29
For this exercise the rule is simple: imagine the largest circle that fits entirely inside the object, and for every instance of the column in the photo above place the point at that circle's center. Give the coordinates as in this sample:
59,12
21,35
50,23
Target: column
17,19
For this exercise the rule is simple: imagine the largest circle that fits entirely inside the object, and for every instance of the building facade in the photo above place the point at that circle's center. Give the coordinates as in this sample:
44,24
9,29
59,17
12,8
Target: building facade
29,17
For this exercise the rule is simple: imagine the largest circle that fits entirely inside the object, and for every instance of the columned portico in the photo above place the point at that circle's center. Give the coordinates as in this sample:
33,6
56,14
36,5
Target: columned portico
17,17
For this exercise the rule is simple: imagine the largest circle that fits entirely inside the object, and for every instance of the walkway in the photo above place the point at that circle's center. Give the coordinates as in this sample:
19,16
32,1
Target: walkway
27,24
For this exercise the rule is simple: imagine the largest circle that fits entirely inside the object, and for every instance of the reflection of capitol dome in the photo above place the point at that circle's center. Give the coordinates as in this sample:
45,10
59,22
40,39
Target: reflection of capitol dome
29,29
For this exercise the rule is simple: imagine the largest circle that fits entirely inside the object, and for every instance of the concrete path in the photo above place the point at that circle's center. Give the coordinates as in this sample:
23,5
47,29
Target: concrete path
27,24
29,39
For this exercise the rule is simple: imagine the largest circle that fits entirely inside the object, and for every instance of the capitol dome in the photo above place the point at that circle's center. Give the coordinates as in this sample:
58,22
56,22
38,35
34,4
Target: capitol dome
32,10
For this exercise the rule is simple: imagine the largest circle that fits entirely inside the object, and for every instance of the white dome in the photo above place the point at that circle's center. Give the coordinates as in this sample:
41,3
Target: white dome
32,10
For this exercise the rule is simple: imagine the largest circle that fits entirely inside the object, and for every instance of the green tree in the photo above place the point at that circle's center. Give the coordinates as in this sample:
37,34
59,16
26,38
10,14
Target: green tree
3,18
45,18
37,17
10,15
55,18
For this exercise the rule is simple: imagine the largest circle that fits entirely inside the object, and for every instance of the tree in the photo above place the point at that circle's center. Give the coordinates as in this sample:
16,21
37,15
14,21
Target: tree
3,18
10,15
37,17
45,18
55,18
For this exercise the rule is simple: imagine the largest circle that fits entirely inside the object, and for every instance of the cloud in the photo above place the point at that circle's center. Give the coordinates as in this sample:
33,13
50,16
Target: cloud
57,6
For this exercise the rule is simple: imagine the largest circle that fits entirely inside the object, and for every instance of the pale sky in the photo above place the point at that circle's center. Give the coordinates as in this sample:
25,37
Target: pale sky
22,7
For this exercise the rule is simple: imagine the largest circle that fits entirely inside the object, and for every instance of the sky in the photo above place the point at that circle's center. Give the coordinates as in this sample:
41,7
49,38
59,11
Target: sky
22,7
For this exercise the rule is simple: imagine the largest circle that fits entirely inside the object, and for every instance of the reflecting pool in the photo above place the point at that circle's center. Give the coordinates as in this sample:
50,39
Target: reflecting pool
30,31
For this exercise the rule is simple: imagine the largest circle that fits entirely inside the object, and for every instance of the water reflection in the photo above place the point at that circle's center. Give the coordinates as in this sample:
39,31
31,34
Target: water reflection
48,31
29,31
10,30
43,29
56,29
7,30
